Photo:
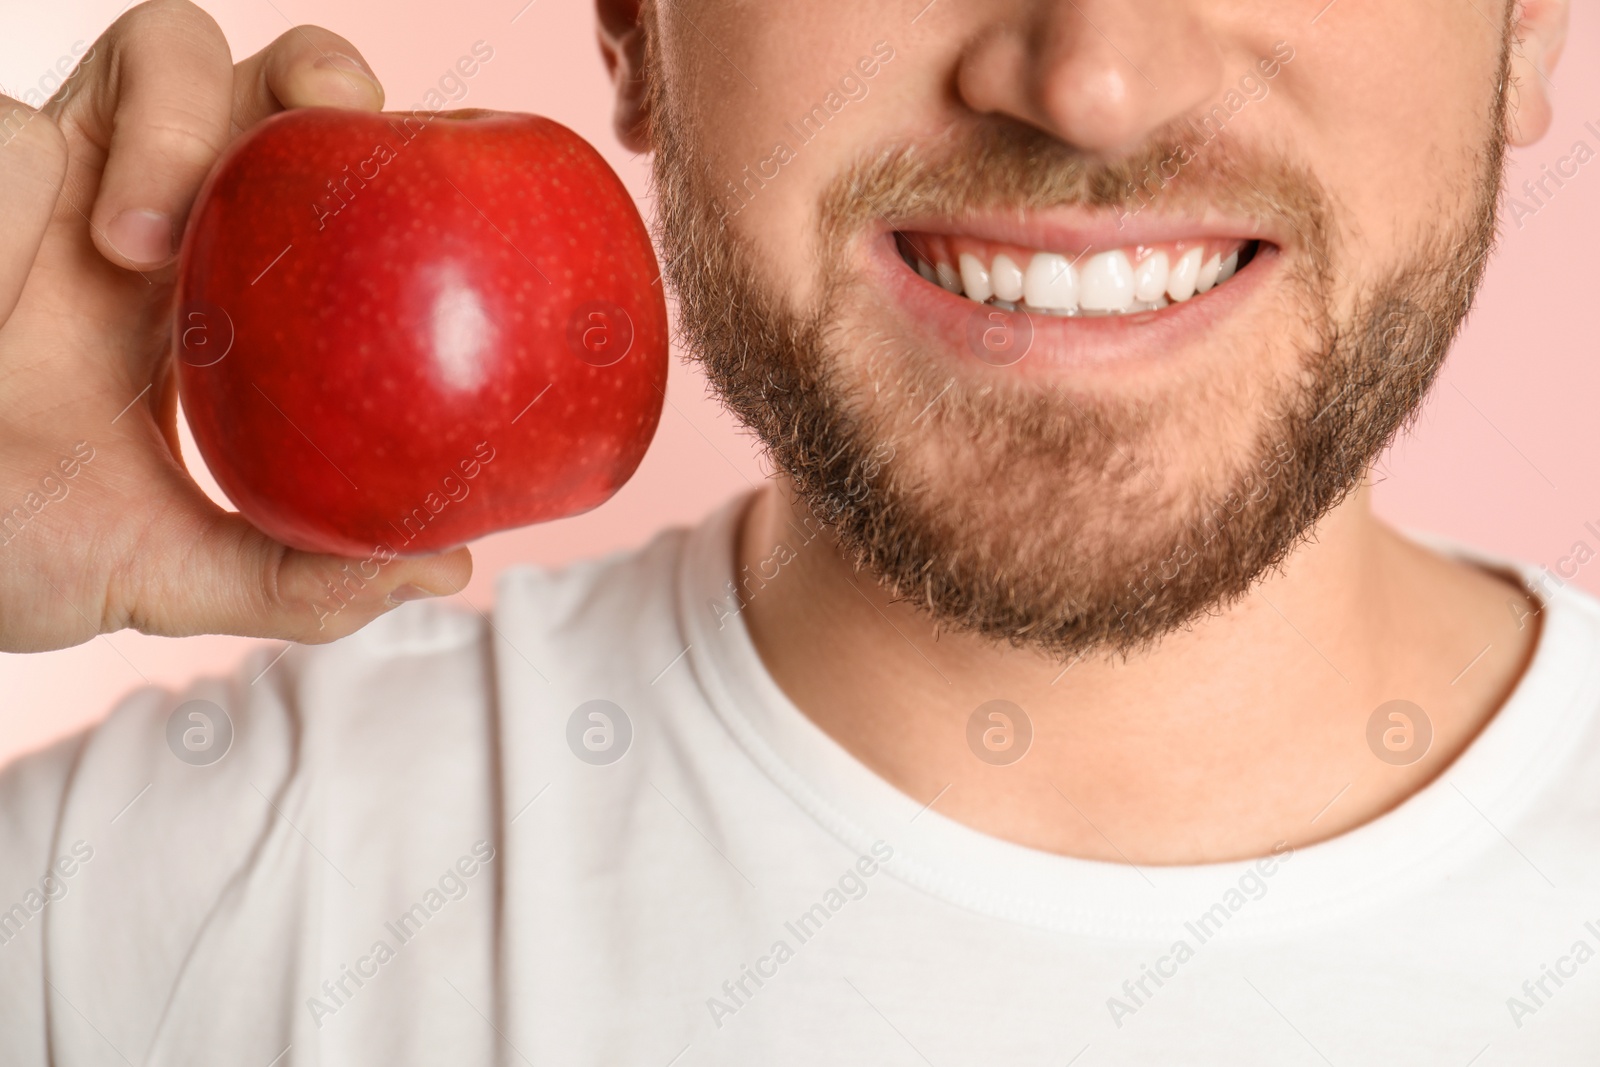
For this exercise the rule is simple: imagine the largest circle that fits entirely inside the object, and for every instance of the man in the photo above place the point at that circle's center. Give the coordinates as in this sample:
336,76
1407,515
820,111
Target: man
1060,700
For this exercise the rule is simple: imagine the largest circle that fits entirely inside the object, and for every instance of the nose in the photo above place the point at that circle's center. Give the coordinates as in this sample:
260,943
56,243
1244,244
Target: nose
1100,75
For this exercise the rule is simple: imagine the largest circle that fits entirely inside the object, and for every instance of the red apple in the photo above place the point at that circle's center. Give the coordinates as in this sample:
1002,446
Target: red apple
404,331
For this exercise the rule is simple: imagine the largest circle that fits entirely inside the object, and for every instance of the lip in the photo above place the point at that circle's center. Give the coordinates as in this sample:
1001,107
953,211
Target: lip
1121,343
1073,231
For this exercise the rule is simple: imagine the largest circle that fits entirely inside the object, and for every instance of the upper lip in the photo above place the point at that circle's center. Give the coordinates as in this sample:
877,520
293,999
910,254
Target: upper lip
1074,230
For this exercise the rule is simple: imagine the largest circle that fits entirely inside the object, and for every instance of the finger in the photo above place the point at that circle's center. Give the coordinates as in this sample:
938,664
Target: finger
158,102
306,67
33,162
237,580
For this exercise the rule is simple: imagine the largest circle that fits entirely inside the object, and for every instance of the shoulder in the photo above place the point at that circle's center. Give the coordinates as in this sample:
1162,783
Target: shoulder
143,828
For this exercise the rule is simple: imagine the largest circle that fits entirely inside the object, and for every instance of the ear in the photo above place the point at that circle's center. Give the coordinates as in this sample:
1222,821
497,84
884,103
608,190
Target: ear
1541,31
622,44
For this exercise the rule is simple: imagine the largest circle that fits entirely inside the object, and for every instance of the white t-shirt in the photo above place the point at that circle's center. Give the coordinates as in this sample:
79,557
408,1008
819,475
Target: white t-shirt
425,845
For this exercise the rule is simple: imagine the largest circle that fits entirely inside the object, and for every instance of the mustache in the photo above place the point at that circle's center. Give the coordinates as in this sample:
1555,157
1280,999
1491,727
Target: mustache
1002,165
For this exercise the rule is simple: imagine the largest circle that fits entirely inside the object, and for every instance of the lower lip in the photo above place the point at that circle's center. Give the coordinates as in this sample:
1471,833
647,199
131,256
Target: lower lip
1056,341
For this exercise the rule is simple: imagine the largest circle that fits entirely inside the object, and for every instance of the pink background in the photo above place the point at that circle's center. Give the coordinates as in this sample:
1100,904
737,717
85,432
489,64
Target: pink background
1502,457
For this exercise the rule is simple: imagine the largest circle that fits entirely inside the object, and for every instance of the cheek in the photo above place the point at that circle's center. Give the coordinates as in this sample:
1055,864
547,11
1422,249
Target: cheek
1396,133
778,108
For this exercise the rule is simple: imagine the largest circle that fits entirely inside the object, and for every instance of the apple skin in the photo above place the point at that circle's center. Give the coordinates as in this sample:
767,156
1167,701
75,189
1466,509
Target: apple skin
395,333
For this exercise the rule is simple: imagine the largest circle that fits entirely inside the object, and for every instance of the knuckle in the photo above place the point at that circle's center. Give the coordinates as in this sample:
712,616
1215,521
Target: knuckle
299,594
269,593
180,140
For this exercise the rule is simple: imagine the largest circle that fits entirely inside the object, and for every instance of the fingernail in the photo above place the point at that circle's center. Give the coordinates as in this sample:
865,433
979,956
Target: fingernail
402,593
348,65
142,236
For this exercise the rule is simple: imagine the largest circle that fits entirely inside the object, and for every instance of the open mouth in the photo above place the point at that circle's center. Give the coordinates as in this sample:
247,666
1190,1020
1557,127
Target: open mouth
1091,282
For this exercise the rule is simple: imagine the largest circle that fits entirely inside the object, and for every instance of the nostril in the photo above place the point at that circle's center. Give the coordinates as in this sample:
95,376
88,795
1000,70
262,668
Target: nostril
1103,76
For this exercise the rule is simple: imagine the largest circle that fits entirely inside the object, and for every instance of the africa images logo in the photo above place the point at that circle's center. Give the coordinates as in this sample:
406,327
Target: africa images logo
199,732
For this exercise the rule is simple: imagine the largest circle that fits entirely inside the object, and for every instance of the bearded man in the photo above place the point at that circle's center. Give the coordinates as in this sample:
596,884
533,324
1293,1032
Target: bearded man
1060,699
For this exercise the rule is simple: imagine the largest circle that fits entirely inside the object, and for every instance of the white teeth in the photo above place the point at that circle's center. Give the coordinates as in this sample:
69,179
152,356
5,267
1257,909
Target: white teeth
1229,265
1150,278
1006,277
1050,282
1107,282
975,278
1180,282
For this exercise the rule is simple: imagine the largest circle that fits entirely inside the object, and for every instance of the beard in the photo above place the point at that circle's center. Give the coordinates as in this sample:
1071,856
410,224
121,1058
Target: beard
1038,512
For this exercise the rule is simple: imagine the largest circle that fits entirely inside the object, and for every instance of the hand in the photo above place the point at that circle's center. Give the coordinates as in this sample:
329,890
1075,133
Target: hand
101,527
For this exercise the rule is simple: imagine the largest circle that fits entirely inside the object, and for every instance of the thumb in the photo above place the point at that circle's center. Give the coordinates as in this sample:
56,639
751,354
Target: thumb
237,580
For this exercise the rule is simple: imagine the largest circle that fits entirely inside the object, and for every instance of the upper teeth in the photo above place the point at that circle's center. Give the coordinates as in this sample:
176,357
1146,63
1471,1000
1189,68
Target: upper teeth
1006,277
1104,283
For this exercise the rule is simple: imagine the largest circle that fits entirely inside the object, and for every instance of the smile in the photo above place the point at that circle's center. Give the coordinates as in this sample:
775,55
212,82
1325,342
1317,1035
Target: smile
1088,283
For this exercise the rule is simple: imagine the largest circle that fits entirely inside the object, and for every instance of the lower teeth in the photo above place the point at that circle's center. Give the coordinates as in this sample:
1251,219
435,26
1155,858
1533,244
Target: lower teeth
1075,313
